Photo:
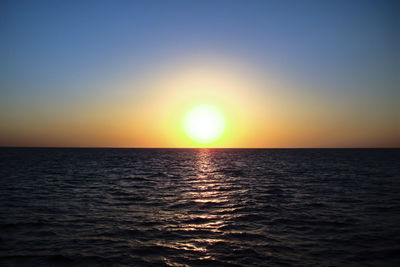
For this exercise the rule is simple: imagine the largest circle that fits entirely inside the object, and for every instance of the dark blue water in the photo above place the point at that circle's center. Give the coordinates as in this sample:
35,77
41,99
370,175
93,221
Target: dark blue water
216,207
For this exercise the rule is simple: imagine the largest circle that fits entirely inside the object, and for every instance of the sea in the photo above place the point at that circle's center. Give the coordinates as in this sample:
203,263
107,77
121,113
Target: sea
199,207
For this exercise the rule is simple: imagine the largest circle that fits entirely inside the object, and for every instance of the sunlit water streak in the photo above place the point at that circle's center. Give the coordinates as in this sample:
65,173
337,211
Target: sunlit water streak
199,207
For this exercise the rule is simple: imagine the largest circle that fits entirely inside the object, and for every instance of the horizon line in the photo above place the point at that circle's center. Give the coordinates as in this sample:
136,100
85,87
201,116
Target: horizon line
111,147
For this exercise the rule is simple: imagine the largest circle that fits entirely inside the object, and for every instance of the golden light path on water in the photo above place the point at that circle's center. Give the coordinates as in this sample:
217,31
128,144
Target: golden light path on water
210,209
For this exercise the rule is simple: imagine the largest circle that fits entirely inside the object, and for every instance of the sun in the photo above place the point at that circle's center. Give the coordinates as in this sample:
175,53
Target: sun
204,124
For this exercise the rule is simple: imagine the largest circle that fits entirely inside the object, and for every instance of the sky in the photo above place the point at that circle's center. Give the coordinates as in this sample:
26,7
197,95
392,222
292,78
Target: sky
125,73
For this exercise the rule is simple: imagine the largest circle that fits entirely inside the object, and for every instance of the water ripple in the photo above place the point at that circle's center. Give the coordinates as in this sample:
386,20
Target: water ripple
191,207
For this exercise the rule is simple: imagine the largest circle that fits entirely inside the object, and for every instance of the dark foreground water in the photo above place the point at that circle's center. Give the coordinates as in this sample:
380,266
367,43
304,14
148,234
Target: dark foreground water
178,207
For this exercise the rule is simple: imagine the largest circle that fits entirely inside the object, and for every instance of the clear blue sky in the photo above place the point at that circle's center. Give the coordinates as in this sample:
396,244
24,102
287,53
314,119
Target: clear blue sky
50,48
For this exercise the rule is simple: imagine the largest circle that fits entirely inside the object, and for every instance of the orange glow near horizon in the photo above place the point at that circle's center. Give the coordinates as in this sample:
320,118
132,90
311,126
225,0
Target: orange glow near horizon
248,110
201,105
130,73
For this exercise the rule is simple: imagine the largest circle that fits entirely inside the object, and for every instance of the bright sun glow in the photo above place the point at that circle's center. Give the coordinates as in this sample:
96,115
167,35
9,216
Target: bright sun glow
204,124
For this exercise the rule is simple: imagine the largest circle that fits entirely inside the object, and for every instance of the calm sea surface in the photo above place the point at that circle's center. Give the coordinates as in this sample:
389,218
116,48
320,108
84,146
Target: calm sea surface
199,207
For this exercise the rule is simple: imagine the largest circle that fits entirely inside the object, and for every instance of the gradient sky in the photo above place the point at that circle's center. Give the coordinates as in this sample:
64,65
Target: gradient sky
122,73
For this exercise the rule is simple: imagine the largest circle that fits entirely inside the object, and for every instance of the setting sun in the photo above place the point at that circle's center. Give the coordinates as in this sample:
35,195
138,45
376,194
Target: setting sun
204,124
213,133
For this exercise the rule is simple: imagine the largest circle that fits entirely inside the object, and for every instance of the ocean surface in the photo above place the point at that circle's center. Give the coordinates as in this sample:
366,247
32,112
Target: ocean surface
199,207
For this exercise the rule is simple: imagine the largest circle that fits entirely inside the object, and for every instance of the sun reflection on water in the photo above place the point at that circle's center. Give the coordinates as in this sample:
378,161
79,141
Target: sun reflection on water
206,216
206,208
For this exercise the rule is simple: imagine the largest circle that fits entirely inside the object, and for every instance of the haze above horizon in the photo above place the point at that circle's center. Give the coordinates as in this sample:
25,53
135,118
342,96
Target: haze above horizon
271,74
